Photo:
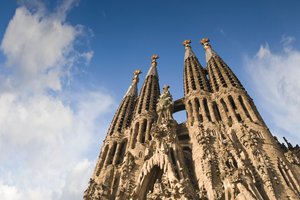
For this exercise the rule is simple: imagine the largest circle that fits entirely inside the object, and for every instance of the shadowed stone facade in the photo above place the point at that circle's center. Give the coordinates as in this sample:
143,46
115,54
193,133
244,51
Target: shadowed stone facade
223,151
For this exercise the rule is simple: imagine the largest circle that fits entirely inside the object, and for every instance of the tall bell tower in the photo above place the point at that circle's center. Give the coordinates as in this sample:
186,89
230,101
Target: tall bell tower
224,151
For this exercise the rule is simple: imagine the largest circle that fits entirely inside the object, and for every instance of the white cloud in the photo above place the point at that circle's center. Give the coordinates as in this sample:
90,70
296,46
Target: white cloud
46,136
75,184
88,56
276,83
9,192
36,48
287,40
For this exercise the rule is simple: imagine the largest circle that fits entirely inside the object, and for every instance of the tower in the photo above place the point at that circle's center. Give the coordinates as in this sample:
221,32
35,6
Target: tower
224,151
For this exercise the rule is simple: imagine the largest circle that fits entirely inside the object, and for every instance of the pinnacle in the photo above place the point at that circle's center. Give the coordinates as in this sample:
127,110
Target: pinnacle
132,90
208,50
188,49
153,70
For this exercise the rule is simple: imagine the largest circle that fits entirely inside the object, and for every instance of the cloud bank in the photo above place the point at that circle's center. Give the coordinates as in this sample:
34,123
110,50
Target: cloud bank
46,130
276,84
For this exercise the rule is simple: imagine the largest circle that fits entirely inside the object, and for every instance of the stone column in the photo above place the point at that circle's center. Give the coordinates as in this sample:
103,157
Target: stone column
203,112
250,110
147,134
211,111
196,111
223,112
190,112
239,107
230,109
117,152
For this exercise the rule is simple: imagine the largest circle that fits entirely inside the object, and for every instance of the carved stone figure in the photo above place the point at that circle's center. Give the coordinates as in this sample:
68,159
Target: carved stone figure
292,158
165,106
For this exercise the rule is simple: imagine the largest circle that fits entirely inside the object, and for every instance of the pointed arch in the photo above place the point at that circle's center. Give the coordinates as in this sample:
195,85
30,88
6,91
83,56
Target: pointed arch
122,151
147,185
111,154
134,135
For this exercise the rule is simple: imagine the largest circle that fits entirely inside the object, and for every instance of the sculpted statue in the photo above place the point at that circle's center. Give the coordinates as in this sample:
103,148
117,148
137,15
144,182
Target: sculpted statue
244,193
229,188
165,106
292,158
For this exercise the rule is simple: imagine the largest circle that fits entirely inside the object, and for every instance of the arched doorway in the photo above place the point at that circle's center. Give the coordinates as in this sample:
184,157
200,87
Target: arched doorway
150,179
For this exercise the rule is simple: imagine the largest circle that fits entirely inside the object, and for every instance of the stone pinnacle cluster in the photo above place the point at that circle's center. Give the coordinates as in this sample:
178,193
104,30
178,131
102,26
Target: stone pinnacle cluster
224,150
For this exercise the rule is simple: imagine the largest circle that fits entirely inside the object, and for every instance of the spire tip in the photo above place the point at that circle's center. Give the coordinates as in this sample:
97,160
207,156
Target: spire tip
154,57
187,43
205,43
136,74
152,70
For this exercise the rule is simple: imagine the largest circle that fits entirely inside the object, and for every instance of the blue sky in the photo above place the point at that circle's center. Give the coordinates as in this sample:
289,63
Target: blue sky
65,65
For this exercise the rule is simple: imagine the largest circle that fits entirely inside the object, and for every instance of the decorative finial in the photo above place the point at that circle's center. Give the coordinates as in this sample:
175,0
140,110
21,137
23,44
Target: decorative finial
205,43
187,43
154,58
209,52
166,88
188,49
136,74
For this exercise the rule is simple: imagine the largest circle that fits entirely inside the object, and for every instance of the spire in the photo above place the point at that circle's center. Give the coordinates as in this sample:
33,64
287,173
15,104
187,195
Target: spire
208,50
145,110
153,70
150,89
132,90
220,74
188,49
194,74
124,113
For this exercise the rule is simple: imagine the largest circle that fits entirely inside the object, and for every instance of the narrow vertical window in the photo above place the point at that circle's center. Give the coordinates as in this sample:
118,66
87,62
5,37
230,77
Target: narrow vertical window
143,133
135,132
206,109
224,105
231,102
216,111
111,154
122,152
115,185
244,107
103,157
149,93
198,110
191,116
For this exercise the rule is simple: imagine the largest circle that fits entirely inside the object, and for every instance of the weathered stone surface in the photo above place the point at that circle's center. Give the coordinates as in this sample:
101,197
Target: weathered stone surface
224,151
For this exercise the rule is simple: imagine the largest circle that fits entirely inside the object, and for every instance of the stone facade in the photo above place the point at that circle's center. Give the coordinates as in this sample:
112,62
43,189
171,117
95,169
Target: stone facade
223,151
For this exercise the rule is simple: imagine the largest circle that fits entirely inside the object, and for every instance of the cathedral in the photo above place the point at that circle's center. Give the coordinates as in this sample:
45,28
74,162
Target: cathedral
223,151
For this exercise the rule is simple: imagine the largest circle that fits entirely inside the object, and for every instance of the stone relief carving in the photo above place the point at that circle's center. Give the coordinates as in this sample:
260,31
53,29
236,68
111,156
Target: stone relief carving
292,158
171,190
232,157
97,191
173,184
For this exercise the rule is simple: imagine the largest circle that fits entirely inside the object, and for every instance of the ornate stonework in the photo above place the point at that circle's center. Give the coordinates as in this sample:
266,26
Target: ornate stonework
224,150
